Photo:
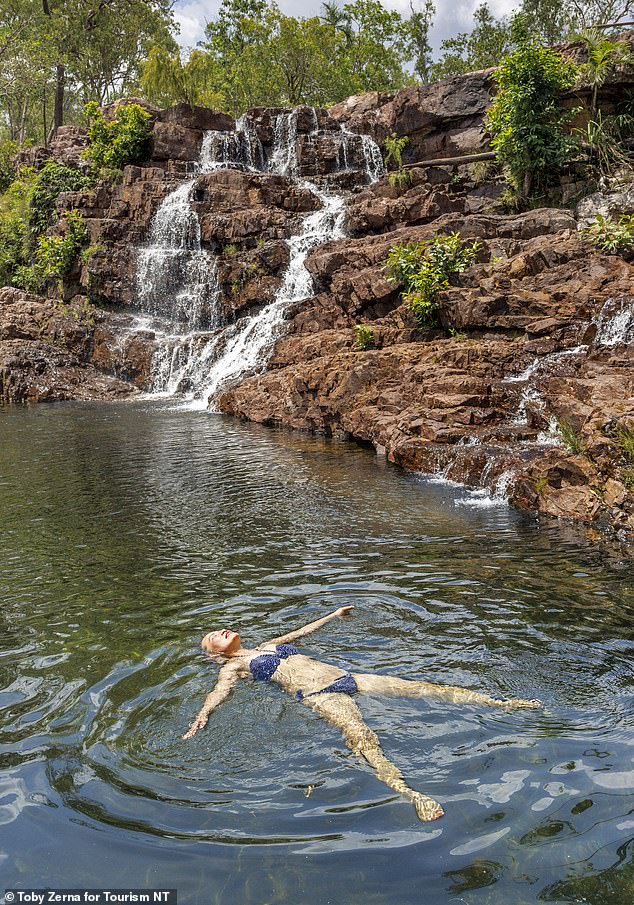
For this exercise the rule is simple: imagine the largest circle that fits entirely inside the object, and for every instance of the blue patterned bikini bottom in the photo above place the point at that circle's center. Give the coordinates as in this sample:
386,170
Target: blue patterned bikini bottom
343,685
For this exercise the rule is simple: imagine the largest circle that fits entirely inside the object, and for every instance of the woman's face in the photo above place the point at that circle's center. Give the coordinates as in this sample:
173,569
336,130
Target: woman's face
223,641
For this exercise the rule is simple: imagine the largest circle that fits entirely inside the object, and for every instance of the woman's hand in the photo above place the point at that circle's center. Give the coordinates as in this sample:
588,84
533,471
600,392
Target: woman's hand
343,610
199,723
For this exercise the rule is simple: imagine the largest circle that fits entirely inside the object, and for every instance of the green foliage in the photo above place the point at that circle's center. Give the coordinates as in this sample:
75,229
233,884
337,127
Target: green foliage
602,137
8,150
53,179
264,58
424,268
167,79
122,141
603,57
230,249
571,438
394,146
15,231
609,235
525,119
75,49
55,255
541,484
484,47
625,441
27,209
363,338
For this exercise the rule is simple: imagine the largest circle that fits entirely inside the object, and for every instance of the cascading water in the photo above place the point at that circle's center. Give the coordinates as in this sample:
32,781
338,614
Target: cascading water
247,351
615,323
177,280
177,284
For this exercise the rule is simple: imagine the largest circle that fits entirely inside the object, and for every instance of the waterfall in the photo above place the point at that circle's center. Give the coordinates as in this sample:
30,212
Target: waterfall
248,350
615,324
284,157
197,354
176,278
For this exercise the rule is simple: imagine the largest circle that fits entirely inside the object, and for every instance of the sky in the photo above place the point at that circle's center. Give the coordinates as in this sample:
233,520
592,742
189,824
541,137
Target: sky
452,16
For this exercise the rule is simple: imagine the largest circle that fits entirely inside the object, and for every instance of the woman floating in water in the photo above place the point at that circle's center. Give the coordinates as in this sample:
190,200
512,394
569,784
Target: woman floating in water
329,693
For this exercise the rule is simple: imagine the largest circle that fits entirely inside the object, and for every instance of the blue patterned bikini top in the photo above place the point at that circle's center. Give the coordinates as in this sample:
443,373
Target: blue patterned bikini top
263,667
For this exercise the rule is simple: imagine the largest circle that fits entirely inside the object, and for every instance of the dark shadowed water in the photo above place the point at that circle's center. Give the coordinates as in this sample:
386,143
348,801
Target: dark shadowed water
128,531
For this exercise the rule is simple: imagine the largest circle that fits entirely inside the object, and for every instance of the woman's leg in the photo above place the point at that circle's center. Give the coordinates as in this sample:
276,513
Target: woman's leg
342,712
408,688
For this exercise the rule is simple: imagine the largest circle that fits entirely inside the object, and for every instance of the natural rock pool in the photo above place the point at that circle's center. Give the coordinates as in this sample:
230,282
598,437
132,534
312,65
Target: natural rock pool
129,530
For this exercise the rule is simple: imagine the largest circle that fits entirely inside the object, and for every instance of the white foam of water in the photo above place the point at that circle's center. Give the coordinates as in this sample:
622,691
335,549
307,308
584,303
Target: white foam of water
284,157
249,349
242,147
615,324
479,497
373,159
539,363
551,437
483,498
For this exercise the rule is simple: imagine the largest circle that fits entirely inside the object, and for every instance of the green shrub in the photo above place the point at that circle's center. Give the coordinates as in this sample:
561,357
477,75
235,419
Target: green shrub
51,181
424,268
400,177
8,150
525,120
15,231
363,338
122,141
610,236
55,255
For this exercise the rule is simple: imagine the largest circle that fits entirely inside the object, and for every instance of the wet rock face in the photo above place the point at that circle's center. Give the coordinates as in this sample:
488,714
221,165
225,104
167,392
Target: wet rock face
47,351
441,120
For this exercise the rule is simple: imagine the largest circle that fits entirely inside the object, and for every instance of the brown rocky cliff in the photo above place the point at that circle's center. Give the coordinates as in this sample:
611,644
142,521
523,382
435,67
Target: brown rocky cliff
448,400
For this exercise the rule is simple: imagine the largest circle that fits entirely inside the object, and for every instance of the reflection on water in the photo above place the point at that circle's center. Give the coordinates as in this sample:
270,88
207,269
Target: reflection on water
128,531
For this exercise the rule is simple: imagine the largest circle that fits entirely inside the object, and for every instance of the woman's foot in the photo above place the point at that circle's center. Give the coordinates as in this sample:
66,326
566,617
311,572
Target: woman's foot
426,808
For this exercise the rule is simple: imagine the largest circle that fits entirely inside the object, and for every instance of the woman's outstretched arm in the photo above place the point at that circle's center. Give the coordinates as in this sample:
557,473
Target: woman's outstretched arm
227,678
311,627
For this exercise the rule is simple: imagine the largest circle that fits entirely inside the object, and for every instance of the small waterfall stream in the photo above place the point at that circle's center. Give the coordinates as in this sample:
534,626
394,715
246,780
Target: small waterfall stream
197,352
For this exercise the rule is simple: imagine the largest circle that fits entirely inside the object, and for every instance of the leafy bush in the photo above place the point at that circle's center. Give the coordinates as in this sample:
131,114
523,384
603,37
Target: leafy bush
55,255
363,338
53,179
122,141
424,268
525,120
15,231
394,146
8,150
611,236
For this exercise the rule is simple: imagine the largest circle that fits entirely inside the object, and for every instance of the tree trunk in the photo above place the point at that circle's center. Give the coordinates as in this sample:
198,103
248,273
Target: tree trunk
44,123
58,118
25,107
